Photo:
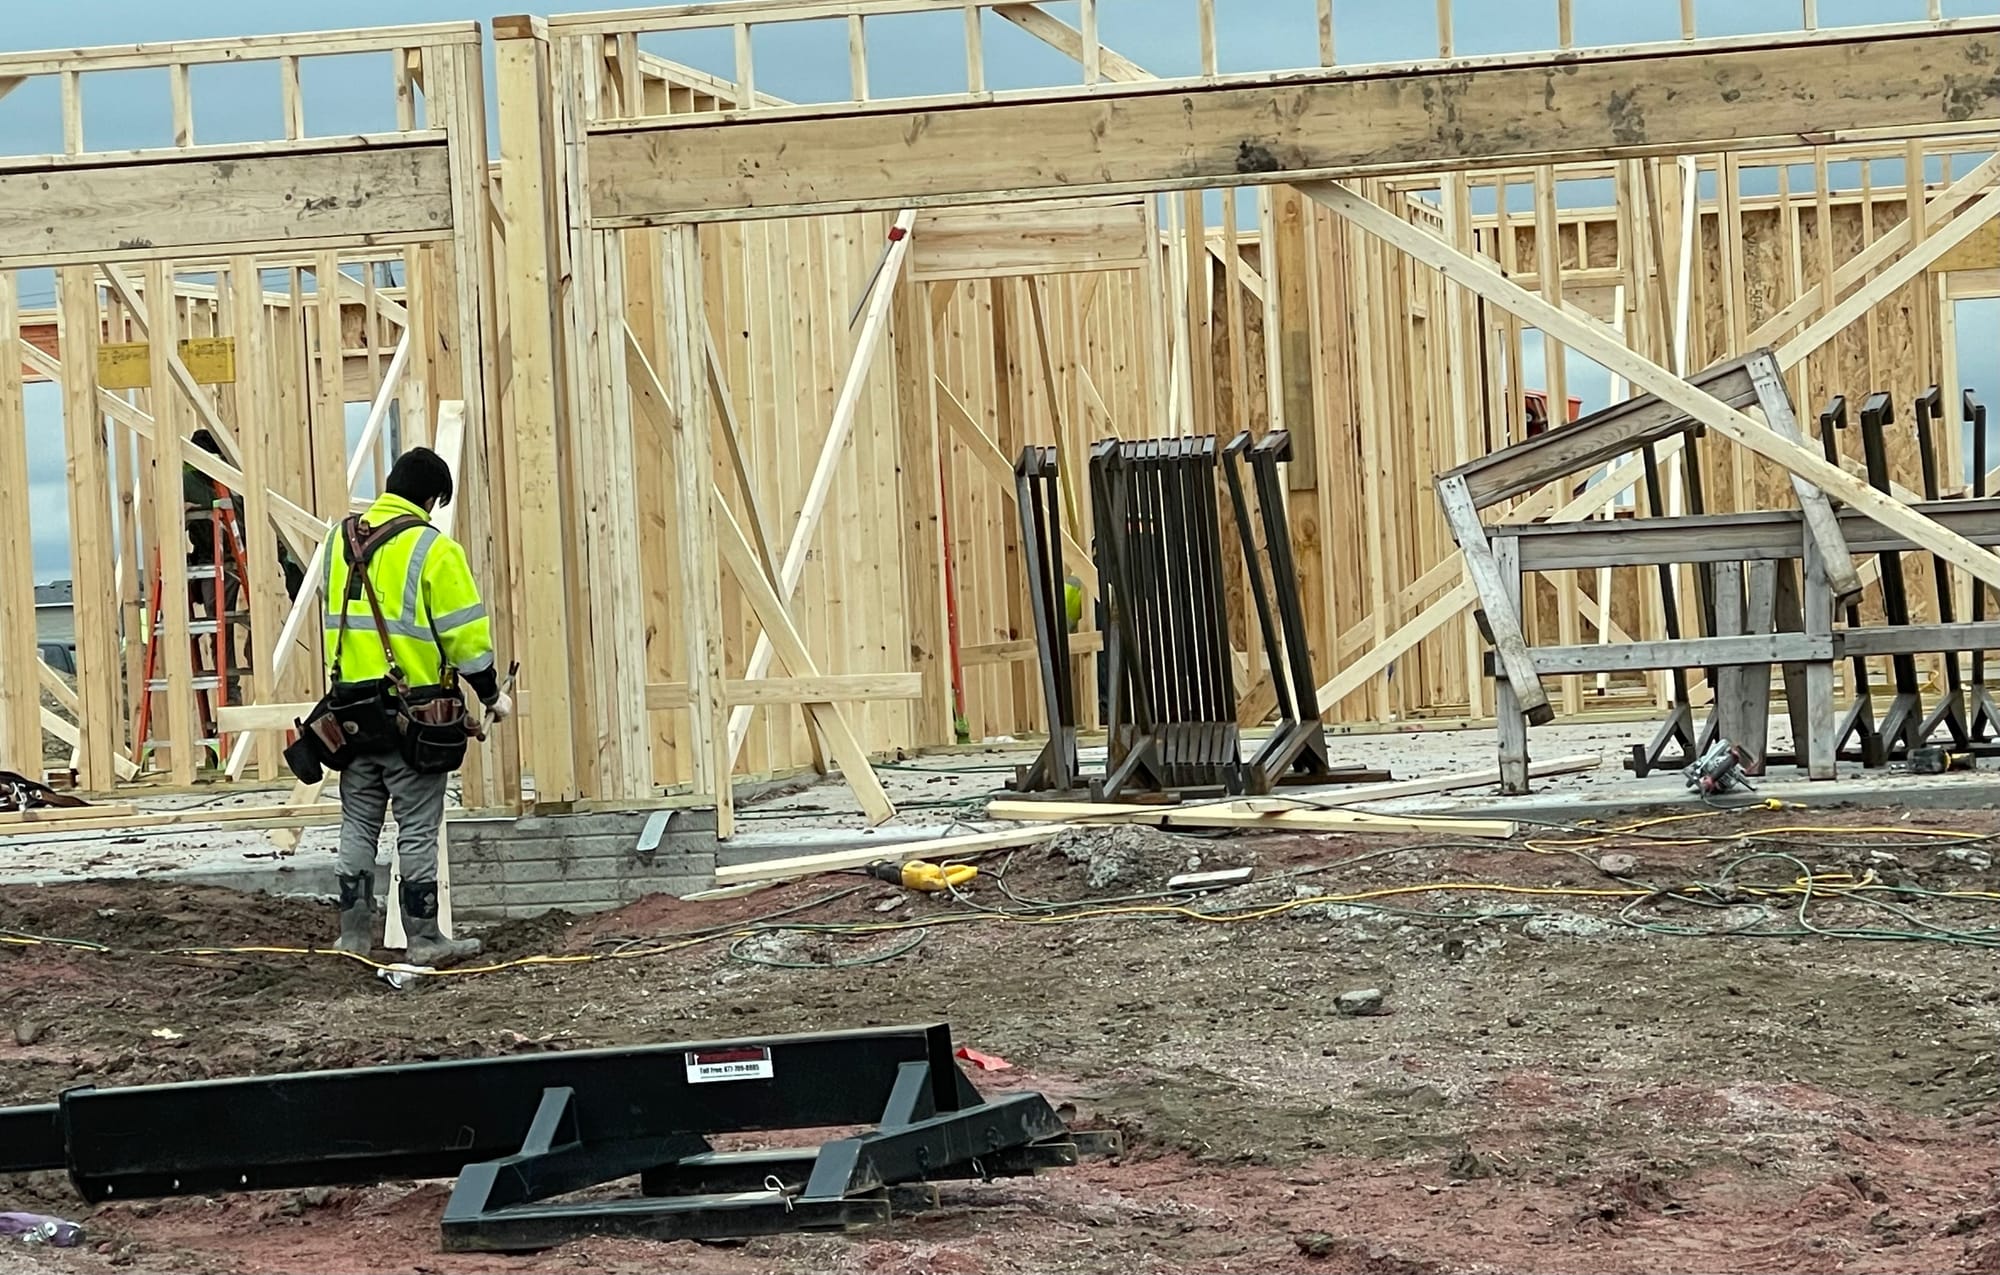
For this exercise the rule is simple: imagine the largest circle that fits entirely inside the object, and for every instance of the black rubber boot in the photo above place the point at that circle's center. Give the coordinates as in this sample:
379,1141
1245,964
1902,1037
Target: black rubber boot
427,944
357,914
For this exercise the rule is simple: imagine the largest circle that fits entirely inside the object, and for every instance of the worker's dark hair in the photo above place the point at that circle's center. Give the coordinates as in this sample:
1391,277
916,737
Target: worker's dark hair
419,476
206,441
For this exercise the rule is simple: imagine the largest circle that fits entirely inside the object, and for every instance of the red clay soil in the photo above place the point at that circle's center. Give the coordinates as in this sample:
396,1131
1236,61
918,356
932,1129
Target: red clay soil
1550,1088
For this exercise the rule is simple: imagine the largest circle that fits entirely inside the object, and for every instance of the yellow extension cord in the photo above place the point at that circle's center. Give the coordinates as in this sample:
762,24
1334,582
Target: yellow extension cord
1814,884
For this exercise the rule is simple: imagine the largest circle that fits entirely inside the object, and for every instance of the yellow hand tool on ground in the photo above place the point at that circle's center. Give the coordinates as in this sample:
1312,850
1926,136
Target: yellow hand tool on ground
918,875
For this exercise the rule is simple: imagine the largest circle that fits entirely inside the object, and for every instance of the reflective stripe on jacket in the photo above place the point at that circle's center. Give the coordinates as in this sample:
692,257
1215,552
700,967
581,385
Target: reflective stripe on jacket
431,605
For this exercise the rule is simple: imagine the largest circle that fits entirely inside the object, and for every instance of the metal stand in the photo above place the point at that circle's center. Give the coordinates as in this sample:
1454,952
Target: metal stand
1297,746
1039,499
1900,726
1858,722
1159,564
1984,714
1950,713
1678,731
521,1131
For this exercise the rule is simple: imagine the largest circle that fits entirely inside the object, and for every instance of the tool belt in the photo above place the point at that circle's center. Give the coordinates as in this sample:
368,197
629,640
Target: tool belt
427,725
434,728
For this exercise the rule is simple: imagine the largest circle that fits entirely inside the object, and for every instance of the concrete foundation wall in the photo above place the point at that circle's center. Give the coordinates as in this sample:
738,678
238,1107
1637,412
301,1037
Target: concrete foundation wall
502,868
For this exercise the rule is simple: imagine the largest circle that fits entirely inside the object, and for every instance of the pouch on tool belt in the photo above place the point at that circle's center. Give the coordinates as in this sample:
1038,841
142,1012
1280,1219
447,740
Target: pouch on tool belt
435,729
352,720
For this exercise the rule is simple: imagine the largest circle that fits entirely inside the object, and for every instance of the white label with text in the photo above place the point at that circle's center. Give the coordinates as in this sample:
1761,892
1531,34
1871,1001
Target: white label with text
746,1062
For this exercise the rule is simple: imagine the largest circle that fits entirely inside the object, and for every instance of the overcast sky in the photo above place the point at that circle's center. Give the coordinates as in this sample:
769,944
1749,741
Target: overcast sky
908,54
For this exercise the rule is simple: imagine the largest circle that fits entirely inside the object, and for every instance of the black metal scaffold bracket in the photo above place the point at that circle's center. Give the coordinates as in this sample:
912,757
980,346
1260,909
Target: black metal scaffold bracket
520,1133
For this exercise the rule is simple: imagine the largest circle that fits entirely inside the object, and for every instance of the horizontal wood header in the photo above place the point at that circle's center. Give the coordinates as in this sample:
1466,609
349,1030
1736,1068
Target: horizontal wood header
1334,123
167,208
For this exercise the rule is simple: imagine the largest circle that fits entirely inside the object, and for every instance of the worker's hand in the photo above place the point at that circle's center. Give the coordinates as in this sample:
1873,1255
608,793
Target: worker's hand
501,708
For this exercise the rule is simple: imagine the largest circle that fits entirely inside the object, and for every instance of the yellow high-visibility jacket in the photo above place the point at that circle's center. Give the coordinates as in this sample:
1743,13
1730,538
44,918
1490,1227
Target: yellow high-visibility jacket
435,616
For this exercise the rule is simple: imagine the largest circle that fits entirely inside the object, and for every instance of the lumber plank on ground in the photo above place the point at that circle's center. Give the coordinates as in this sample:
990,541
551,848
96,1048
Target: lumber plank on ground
939,848
1574,764
1249,815
284,816
66,814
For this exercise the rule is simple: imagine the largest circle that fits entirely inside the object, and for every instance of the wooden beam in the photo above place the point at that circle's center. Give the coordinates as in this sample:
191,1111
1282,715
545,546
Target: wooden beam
1356,795
1503,620
987,455
838,688
827,688
67,732
234,817
732,436
20,652
143,211
1602,345
920,456
169,536
1249,816
1618,103
1073,236
99,669
534,408
59,815
1058,34
1776,404
1618,430
777,622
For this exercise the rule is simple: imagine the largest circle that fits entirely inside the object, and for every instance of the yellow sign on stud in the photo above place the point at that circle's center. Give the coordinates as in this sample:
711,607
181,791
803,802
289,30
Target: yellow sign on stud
210,360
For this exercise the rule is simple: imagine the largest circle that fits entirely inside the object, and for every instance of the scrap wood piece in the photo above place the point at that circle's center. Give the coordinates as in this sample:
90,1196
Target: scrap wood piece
937,848
1244,814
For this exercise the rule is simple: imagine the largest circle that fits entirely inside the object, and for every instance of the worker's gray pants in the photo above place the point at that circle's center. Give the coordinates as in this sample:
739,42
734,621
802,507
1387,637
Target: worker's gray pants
368,787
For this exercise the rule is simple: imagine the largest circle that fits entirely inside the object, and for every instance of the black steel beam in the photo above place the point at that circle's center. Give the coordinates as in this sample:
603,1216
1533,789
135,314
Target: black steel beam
427,1120
31,1138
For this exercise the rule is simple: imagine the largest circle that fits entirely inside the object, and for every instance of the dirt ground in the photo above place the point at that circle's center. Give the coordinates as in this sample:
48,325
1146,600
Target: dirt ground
1550,1085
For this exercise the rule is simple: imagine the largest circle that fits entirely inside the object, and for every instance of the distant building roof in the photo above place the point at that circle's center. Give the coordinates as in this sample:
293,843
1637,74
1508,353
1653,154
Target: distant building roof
54,593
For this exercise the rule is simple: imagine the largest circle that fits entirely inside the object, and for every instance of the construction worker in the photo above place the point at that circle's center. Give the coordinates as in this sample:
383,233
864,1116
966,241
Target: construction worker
434,625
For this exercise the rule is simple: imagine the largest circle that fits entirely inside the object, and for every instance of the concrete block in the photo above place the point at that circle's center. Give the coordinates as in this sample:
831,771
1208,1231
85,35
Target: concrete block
576,861
509,870
535,898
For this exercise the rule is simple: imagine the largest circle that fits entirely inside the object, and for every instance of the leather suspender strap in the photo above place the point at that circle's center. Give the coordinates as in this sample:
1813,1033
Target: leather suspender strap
360,542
